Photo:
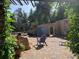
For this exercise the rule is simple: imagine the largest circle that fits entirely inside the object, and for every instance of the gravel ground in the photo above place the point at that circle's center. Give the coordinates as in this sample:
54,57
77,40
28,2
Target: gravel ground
54,50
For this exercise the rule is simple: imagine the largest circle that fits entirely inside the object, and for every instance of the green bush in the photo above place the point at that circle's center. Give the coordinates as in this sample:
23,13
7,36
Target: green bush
73,34
7,49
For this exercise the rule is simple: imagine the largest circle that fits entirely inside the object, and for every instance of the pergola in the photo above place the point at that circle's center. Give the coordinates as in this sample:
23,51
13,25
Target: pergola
33,2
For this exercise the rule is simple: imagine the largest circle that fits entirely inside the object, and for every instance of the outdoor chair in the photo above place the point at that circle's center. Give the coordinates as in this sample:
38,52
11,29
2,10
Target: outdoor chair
42,40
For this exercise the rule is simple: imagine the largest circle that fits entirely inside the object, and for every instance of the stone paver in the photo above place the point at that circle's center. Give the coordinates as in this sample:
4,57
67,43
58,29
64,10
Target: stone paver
54,50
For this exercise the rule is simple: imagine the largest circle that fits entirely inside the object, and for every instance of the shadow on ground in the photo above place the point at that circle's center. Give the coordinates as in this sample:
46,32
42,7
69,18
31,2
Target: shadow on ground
39,47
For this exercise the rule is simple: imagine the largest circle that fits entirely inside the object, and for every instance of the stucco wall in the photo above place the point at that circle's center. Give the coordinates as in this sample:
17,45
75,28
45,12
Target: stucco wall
59,27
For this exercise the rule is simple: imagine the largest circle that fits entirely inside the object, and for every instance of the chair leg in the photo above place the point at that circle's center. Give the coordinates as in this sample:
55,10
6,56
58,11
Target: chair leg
45,43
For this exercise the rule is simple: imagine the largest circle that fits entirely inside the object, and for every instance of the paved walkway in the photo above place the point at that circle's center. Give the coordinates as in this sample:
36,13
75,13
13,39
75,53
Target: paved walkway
54,50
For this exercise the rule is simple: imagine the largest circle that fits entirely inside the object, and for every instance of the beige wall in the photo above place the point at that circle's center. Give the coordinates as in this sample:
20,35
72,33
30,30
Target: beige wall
64,26
59,27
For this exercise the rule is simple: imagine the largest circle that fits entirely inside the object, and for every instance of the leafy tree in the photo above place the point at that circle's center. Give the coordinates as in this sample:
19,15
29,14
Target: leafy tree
41,14
58,12
31,17
21,23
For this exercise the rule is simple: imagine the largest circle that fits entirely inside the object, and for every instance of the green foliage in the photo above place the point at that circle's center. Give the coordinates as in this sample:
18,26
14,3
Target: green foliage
10,41
73,34
41,14
7,48
57,12
21,23
21,46
9,28
9,52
